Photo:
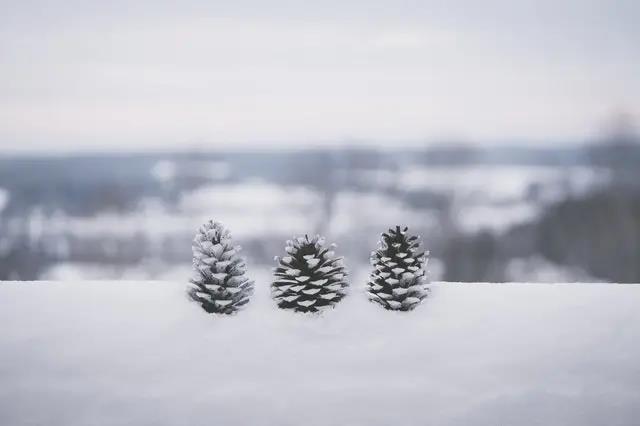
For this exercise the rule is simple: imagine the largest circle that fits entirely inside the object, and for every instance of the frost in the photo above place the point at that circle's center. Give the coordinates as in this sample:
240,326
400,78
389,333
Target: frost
208,260
292,272
237,280
219,276
416,288
313,262
373,295
411,300
222,266
399,291
329,296
206,246
408,276
217,250
394,304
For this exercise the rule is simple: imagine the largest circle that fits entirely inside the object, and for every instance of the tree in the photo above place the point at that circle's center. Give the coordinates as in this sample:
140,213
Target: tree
618,150
309,278
218,284
397,280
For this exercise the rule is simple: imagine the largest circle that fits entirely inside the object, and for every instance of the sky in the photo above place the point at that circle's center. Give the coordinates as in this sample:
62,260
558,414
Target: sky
122,75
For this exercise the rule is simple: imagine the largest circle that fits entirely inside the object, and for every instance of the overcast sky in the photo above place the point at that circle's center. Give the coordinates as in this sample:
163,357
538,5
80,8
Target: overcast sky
81,75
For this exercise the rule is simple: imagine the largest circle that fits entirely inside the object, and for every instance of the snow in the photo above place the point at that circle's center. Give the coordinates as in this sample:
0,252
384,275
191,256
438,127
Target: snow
165,171
495,198
283,211
496,218
540,270
120,353
352,210
259,212
146,270
500,184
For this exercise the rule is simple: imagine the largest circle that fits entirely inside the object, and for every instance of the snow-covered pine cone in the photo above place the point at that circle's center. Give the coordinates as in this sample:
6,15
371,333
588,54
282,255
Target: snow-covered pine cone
309,278
398,278
218,282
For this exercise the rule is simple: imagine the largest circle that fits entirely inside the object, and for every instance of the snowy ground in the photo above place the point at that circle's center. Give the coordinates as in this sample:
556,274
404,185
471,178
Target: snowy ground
138,353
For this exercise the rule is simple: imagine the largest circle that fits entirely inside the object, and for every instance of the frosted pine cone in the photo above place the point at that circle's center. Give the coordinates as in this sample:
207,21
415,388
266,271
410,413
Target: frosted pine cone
309,278
218,283
398,278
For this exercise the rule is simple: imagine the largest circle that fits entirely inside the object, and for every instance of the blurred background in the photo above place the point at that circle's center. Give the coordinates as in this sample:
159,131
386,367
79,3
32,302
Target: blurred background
503,132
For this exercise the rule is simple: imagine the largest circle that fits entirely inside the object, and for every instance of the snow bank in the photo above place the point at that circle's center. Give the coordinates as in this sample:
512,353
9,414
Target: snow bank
116,353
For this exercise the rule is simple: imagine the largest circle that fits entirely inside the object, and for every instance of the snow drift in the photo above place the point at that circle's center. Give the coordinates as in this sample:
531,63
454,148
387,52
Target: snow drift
116,353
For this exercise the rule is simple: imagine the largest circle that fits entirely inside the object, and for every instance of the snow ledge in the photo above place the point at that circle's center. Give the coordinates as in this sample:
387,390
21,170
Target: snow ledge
115,353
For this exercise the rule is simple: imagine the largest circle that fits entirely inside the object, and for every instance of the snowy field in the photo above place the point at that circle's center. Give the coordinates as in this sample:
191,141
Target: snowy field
139,353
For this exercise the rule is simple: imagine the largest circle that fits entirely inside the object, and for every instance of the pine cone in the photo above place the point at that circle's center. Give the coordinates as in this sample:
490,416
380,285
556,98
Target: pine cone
309,278
397,281
218,283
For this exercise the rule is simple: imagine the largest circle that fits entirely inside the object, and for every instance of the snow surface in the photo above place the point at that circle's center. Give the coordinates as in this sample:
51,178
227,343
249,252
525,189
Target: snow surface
139,353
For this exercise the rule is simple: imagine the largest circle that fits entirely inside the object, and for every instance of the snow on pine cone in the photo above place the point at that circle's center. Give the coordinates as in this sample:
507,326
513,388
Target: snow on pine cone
218,282
398,278
309,278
